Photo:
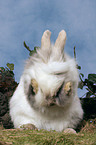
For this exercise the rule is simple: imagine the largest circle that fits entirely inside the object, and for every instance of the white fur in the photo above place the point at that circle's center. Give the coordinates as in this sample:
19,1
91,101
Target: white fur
49,74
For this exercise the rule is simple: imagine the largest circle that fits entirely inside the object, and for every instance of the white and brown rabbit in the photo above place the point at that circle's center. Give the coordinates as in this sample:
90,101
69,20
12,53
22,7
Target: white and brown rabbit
46,96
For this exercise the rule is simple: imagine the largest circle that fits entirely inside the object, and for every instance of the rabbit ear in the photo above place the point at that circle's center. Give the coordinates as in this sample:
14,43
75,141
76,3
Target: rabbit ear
61,39
45,40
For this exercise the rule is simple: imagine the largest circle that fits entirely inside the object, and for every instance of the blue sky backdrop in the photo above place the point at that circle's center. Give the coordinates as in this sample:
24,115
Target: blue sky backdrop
26,20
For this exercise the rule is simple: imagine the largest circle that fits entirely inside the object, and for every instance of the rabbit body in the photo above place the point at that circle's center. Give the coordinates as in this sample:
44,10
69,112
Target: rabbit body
47,93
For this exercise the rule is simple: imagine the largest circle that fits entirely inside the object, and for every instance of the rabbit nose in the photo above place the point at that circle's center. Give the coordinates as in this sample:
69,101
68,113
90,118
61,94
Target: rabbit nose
51,98
51,101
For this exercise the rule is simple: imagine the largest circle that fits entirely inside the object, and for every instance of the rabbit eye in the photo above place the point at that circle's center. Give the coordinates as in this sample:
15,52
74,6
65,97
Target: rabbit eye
34,87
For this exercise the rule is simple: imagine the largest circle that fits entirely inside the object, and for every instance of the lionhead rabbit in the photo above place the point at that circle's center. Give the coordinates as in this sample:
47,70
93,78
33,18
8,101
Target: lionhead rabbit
46,96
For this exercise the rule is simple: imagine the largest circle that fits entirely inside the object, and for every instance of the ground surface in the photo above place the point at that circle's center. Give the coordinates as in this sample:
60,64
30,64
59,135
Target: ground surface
87,136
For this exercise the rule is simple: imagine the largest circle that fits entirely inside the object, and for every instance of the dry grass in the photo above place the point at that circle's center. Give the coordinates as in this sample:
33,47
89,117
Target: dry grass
87,136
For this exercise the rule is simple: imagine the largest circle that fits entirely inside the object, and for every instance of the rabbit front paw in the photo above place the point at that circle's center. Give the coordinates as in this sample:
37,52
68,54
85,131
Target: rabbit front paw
68,88
28,126
70,131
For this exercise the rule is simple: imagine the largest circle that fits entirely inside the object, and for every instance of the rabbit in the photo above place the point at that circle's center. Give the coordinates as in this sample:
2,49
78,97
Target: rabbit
46,97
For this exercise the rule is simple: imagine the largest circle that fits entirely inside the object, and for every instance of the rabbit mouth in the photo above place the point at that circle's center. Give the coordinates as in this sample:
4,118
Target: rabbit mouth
51,102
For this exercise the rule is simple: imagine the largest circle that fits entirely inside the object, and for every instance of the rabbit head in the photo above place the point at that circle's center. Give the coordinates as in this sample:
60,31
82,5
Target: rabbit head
50,76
